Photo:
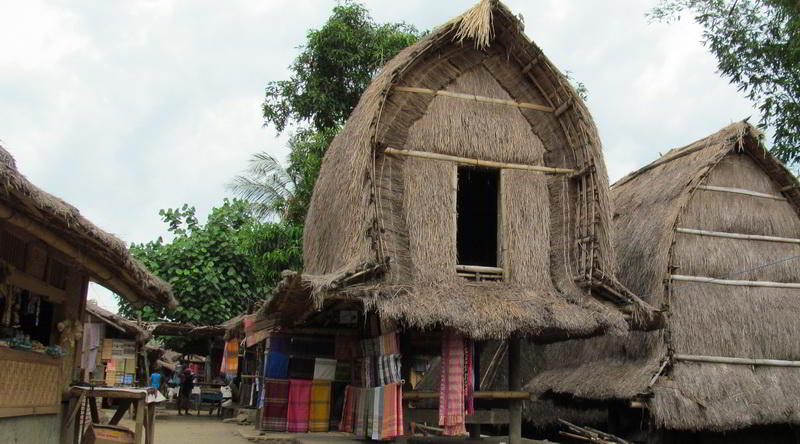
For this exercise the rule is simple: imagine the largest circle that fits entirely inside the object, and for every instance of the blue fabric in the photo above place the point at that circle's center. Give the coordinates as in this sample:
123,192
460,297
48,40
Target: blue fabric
155,380
277,365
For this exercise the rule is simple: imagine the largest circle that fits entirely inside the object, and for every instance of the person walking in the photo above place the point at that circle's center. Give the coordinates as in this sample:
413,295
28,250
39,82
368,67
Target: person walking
184,397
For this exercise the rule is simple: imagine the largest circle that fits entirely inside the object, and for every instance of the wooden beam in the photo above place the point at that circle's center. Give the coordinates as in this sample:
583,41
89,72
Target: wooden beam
515,384
9,412
476,162
431,416
477,395
103,275
735,283
736,361
474,98
479,269
29,282
757,237
564,107
739,191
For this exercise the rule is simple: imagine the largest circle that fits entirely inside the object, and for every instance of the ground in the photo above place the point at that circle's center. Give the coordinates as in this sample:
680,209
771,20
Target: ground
203,429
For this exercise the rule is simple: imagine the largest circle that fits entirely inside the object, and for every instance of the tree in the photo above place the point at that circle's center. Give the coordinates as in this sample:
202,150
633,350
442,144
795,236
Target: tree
334,67
219,269
274,190
757,46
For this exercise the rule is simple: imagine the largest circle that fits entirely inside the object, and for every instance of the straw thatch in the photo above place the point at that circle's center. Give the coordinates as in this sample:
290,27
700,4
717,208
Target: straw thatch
704,318
128,327
129,278
381,228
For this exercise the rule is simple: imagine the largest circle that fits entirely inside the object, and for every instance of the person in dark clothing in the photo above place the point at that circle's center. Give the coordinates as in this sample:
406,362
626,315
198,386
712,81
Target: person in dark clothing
184,397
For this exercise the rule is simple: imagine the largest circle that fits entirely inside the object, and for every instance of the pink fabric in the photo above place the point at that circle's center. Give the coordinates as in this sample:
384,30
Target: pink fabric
299,406
451,384
469,385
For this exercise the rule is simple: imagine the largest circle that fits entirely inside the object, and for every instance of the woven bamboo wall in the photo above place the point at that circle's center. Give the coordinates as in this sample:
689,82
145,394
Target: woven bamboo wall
28,379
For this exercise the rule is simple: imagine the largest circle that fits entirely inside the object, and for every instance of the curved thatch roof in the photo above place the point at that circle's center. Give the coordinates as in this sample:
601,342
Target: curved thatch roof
127,326
377,223
104,256
705,318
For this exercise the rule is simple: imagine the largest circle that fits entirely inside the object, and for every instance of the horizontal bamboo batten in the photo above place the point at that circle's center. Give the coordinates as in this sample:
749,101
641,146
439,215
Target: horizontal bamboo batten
478,269
474,98
477,162
708,280
476,395
739,191
758,237
738,361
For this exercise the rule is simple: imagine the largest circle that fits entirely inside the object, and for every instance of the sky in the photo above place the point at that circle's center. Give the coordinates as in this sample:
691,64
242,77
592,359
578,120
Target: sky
124,108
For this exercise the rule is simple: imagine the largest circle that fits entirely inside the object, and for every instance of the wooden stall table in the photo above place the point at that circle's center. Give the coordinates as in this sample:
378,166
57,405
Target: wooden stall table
143,401
208,388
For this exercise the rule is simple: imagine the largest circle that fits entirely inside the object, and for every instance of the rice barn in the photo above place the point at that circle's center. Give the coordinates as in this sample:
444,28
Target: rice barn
467,193
710,233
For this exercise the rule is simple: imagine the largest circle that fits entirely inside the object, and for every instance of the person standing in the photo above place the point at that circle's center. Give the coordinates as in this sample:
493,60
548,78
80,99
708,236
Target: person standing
184,397
155,380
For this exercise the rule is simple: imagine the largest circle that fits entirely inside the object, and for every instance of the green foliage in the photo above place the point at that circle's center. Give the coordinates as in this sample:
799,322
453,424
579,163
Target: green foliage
757,46
334,67
219,269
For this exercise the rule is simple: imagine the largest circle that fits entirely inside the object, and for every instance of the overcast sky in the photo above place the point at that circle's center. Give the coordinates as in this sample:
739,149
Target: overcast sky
126,107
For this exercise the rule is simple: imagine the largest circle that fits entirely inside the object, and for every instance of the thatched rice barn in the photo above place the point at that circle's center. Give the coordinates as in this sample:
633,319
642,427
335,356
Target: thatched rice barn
467,190
49,253
709,232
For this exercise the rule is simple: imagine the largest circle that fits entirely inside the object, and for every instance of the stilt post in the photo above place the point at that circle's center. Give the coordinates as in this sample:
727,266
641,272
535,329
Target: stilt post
514,384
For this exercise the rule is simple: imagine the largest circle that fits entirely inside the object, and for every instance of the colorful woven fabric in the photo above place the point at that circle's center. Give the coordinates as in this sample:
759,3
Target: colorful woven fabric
344,371
276,404
451,384
301,368
278,343
388,344
349,409
324,369
388,369
392,421
320,416
299,406
277,365
338,398
360,422
469,381
377,413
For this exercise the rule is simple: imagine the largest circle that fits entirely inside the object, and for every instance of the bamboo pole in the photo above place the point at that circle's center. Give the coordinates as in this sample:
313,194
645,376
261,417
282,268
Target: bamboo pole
477,395
479,269
739,191
757,237
515,384
737,361
735,283
477,162
474,98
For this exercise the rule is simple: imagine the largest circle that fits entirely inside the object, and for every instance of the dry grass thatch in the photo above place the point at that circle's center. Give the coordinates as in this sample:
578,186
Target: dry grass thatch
705,319
371,209
129,327
53,214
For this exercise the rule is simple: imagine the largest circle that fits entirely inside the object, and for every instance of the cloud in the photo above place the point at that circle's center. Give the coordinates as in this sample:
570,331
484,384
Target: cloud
124,108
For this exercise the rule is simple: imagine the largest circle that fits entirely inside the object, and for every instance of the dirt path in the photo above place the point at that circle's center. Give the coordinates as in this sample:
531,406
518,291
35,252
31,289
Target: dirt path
203,429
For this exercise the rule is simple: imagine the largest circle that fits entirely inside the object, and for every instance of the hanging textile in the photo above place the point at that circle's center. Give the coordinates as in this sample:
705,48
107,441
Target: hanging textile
277,365
349,409
276,404
344,347
339,397
320,416
324,369
301,368
299,406
452,391
360,422
278,343
91,342
344,371
388,369
387,344
230,358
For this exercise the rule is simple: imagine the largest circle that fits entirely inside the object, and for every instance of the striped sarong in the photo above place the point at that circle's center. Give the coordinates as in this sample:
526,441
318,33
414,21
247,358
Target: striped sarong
276,404
320,416
299,406
451,384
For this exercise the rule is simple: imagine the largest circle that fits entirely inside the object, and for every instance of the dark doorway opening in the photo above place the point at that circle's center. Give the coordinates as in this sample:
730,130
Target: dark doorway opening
476,238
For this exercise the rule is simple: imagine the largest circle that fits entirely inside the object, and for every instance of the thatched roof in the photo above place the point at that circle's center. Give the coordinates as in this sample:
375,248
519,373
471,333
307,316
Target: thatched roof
104,256
705,318
378,224
126,326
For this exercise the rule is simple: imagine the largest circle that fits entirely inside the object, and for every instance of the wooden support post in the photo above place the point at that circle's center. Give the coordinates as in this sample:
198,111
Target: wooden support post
515,384
121,409
93,409
475,429
151,424
406,362
139,431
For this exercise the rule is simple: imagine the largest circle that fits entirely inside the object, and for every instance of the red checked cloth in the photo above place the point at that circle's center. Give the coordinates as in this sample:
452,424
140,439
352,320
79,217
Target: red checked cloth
452,389
299,406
